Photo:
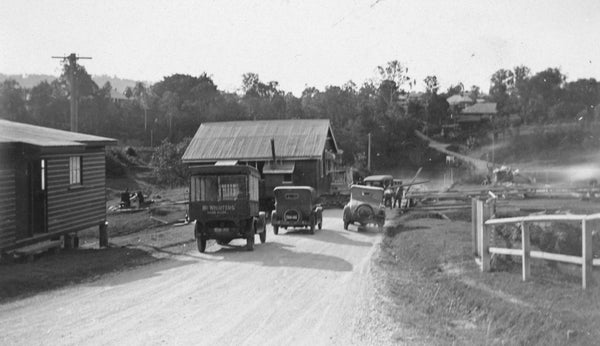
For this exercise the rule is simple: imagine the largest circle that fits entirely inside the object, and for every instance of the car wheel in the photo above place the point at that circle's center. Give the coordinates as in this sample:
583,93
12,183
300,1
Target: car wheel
263,236
201,242
320,225
365,212
276,230
312,225
250,241
346,223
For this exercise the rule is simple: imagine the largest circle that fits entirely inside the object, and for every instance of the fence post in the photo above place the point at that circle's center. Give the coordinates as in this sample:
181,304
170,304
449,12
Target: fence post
483,237
103,234
474,227
586,254
525,241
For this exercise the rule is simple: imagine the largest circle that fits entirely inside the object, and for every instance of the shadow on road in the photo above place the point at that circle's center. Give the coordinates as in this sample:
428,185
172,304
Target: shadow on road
21,280
329,236
274,254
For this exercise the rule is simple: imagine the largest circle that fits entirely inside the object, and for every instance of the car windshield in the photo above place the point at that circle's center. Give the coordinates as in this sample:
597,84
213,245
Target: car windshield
214,188
293,195
369,195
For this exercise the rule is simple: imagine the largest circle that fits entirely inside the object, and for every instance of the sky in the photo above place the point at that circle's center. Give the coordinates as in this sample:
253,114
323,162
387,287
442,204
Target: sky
302,43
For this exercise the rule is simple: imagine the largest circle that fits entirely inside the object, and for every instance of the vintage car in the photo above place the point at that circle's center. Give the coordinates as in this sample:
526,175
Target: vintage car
296,206
382,181
386,182
224,204
365,206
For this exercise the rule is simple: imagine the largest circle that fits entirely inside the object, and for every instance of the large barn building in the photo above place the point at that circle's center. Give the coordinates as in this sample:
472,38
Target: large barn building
52,183
286,152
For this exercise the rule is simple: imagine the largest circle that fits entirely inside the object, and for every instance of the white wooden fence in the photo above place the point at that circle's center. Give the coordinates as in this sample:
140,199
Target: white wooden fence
481,213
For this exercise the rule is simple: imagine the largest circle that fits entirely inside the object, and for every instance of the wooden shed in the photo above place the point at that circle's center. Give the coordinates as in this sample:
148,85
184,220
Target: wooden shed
52,183
286,152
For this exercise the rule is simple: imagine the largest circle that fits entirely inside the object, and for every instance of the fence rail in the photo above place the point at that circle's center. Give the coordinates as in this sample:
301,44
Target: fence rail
481,216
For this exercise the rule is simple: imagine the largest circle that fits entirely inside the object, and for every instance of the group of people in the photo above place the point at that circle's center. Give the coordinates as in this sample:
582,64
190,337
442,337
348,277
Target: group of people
392,197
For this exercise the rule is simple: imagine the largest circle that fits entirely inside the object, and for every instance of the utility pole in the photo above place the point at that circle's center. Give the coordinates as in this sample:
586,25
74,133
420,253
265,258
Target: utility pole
72,59
369,154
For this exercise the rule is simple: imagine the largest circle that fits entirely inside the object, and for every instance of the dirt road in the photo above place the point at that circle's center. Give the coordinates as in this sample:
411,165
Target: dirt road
295,289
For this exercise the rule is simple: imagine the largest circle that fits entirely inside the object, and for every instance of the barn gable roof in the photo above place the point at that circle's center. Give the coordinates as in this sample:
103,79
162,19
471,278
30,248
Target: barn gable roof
251,140
45,137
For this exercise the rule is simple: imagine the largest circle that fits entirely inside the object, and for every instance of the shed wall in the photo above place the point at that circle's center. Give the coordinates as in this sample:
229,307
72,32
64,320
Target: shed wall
8,211
73,208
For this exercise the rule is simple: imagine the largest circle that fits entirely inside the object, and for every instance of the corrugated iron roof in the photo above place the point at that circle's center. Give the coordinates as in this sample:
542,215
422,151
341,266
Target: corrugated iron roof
457,99
251,140
15,132
481,108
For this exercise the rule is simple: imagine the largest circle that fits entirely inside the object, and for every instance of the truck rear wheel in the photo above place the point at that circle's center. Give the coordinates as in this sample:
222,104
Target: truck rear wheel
276,229
250,238
201,242
312,225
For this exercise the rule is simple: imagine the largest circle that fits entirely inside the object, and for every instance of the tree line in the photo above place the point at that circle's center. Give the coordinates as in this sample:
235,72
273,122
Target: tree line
173,108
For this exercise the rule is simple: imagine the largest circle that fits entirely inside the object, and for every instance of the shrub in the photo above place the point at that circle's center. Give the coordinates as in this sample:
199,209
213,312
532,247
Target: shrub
115,168
130,152
166,163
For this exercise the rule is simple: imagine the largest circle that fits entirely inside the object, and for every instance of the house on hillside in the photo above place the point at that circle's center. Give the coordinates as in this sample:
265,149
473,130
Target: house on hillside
459,101
477,114
117,97
52,183
286,152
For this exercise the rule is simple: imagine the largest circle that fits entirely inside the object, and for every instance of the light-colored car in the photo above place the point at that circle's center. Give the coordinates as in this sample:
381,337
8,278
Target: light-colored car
365,206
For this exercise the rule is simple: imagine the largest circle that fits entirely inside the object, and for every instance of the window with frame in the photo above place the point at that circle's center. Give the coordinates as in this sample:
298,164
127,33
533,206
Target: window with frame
75,170
217,188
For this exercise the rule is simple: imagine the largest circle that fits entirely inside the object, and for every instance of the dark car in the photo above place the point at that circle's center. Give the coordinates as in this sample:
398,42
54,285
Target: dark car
296,206
224,204
365,206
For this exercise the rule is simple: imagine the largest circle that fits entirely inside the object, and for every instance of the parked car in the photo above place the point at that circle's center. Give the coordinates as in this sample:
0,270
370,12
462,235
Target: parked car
386,182
296,206
382,181
365,206
224,204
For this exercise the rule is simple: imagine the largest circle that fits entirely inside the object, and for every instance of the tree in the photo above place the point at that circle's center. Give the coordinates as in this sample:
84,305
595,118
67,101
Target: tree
128,92
12,101
437,109
455,89
475,92
262,100
431,85
544,91
502,84
166,162
392,78
169,104
39,101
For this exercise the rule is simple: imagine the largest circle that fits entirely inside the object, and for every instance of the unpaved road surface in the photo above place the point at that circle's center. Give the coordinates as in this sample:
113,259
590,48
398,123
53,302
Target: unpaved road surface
296,288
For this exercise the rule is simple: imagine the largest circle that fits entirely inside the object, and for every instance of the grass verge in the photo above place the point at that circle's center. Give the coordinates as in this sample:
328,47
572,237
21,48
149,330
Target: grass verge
438,290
